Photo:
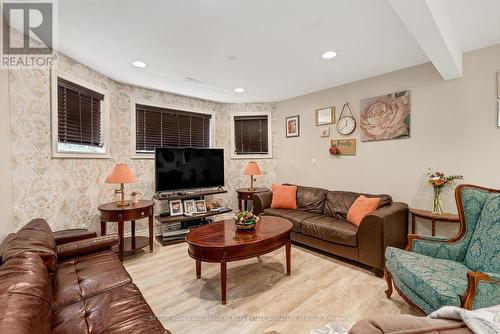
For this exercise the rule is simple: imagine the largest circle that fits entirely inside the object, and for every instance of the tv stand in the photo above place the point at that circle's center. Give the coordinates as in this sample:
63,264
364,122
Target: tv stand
186,221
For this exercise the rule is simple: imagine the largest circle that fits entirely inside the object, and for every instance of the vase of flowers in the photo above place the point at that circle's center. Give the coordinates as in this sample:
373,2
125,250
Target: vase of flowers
245,220
438,181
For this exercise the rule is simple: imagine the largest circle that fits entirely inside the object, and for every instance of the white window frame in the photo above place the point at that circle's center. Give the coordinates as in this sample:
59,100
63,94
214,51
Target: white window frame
65,150
134,102
269,154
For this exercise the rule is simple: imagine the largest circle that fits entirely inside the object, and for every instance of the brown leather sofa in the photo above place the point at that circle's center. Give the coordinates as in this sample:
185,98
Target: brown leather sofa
69,284
320,222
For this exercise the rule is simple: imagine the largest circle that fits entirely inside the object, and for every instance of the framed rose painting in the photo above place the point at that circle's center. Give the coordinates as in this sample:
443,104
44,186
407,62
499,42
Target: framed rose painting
385,117
292,126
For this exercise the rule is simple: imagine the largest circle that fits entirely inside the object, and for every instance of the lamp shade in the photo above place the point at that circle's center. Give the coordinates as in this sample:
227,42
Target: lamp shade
120,173
252,169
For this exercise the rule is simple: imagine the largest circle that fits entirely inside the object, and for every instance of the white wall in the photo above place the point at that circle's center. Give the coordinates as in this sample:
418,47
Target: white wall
6,220
453,129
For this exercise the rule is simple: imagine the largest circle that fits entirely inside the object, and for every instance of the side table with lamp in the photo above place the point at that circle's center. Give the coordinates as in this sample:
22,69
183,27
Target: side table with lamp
123,211
246,194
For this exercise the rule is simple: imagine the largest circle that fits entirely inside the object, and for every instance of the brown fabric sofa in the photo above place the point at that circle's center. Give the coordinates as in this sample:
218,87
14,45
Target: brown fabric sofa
320,222
408,324
75,286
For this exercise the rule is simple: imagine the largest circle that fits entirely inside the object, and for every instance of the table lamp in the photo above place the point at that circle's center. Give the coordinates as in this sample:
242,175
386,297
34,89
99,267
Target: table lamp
121,173
252,169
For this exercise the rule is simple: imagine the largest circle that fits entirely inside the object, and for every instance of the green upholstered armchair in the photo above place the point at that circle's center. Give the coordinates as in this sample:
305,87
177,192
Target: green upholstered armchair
463,271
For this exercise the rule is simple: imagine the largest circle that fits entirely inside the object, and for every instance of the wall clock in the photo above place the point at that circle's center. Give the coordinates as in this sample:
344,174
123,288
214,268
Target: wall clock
346,124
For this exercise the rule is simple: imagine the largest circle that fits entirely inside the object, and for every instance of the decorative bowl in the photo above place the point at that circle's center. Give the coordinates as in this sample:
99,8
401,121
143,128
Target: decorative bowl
245,226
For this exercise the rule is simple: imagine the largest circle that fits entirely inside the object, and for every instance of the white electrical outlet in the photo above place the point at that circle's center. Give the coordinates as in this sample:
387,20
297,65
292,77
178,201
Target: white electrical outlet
313,162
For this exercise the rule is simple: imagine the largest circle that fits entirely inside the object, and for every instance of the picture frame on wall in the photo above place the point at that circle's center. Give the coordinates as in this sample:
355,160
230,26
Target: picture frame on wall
175,207
324,132
293,126
325,116
498,98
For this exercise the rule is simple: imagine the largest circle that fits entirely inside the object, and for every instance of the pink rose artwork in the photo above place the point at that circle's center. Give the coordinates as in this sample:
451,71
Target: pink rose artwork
385,117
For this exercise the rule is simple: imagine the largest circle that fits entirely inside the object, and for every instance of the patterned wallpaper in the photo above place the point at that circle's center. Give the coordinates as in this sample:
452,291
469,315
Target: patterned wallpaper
67,191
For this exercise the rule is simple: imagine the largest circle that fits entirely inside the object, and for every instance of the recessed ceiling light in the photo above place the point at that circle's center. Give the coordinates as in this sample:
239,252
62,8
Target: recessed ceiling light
239,90
139,63
329,55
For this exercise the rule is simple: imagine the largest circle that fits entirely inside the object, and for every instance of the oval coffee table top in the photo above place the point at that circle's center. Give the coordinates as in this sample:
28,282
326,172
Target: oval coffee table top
223,233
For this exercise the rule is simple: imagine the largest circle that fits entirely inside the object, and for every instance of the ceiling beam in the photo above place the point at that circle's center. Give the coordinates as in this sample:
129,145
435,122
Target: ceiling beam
430,24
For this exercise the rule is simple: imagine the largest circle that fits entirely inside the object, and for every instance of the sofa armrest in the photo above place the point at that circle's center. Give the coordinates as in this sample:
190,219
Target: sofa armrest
86,246
262,201
65,236
483,290
388,226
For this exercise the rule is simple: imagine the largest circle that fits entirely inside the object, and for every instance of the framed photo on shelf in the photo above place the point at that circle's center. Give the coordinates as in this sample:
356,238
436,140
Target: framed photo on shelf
292,126
189,206
201,206
175,207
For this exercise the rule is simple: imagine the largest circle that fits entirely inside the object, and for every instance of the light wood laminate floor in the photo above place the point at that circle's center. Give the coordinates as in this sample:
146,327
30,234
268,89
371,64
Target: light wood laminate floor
260,297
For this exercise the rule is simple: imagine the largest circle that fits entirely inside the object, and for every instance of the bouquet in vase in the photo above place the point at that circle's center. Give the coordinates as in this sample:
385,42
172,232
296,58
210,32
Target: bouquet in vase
245,220
438,181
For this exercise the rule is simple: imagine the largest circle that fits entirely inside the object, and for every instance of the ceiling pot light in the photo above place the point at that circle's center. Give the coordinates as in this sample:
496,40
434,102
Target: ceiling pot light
329,55
239,90
139,63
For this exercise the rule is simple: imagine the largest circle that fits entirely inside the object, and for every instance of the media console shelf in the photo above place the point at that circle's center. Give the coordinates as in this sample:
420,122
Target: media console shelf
169,220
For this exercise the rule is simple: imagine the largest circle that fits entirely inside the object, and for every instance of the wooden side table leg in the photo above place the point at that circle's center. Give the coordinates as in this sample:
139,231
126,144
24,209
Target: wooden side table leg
223,273
198,268
103,227
239,204
120,235
245,203
433,227
151,234
288,249
412,223
132,232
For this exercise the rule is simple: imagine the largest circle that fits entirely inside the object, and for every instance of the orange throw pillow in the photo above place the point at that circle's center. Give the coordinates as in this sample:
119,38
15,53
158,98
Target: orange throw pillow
284,197
361,207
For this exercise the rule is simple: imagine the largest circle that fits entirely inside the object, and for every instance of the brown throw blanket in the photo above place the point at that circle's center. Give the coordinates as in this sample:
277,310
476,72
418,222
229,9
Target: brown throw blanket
408,324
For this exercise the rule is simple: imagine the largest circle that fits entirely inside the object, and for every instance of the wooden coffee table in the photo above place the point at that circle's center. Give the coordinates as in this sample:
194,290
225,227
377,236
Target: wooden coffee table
220,242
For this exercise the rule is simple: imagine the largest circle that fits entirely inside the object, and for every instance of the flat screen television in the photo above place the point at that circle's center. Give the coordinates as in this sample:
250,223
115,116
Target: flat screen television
188,168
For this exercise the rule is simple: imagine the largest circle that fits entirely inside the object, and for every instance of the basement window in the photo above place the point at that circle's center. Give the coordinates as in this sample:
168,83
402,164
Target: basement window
251,136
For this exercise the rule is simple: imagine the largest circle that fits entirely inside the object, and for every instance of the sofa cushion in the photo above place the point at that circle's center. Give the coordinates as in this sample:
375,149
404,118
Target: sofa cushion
331,229
35,237
83,277
295,216
284,197
311,199
437,281
483,253
25,295
337,203
119,310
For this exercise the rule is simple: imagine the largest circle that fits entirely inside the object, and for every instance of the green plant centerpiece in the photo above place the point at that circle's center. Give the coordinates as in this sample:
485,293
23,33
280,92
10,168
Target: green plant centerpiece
245,220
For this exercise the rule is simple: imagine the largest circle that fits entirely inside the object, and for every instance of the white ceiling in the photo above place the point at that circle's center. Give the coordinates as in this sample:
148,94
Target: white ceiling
272,48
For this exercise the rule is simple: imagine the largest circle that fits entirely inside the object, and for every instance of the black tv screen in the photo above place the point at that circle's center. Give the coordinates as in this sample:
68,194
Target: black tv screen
188,168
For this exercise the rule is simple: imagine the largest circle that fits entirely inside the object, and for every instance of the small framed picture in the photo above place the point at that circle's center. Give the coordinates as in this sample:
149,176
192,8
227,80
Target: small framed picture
292,126
175,207
189,206
324,131
201,206
325,116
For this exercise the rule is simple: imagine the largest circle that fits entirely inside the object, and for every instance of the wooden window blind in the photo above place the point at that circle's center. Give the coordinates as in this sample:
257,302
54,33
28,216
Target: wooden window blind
250,134
162,127
79,114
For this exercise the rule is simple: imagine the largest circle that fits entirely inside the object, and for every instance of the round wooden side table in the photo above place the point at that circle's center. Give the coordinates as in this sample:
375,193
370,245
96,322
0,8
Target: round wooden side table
112,213
426,214
245,195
